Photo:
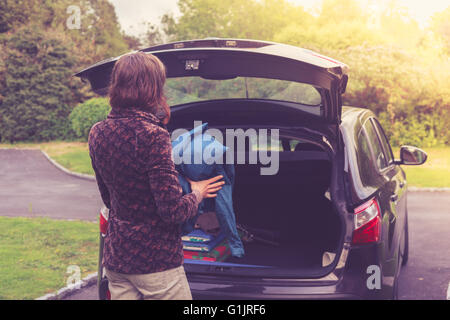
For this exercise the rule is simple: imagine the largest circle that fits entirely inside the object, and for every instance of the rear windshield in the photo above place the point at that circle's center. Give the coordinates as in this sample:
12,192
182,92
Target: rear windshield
192,89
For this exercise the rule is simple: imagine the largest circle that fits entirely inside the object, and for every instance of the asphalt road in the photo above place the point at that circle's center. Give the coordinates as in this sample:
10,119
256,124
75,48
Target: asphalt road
31,186
427,274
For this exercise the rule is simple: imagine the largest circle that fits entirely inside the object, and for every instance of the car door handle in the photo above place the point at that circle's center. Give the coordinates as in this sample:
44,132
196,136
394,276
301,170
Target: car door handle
394,198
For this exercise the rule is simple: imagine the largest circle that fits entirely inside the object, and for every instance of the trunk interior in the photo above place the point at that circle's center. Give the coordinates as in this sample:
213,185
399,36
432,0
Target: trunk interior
292,210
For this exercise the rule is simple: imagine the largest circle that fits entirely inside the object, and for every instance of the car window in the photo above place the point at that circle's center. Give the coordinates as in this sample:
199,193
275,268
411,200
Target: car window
192,89
384,142
265,143
366,165
375,143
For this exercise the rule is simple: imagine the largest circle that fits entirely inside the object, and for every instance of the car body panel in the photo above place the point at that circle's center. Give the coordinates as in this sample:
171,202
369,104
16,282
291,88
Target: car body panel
389,186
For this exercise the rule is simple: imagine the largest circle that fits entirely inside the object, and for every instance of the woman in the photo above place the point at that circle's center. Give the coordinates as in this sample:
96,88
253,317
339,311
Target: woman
131,157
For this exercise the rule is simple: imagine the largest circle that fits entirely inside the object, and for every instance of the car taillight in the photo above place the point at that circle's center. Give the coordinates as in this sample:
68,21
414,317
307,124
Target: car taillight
367,223
104,213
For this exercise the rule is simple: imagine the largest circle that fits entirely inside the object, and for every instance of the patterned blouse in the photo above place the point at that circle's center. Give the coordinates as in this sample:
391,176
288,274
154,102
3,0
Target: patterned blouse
131,155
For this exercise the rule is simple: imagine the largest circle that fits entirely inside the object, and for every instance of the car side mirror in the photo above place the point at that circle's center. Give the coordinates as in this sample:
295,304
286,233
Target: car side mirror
412,156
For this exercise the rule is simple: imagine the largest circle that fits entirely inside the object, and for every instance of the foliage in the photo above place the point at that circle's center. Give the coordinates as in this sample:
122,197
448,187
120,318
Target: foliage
232,18
39,54
98,37
85,115
397,70
441,27
152,36
434,173
36,87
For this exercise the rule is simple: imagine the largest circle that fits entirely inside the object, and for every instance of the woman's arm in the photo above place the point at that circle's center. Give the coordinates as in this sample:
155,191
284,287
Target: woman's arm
172,206
104,192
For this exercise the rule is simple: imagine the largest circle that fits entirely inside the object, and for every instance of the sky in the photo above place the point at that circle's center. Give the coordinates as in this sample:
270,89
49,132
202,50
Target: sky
133,13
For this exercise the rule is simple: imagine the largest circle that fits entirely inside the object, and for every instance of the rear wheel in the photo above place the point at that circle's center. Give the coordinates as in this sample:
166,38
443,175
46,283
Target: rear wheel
404,246
396,280
103,290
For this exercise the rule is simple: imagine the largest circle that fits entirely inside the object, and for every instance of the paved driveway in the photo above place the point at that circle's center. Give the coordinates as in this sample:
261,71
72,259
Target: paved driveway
427,275
31,186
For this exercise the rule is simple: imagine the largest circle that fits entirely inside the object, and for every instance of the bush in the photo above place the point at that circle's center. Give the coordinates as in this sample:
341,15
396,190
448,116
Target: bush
35,87
86,114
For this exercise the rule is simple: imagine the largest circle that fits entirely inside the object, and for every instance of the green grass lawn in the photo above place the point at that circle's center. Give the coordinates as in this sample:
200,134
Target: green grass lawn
72,155
434,173
36,252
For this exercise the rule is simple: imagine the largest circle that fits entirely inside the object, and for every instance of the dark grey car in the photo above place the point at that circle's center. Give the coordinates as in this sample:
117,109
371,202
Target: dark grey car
336,209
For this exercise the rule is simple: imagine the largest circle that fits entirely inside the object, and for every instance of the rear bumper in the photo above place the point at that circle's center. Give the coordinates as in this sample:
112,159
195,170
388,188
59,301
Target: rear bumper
347,281
218,295
221,288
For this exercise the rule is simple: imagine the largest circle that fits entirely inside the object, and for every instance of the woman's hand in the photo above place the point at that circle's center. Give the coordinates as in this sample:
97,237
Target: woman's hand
207,188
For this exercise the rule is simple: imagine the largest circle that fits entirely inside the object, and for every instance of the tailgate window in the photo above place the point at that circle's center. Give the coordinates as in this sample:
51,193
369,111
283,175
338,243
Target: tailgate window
192,89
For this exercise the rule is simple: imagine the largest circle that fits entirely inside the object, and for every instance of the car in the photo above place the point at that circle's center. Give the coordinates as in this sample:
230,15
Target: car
332,217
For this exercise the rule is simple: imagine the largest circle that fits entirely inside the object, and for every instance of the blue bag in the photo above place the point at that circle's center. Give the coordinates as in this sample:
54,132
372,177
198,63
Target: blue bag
190,145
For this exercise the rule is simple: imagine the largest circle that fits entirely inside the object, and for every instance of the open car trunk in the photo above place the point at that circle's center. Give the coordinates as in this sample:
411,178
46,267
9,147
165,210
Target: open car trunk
297,231
289,209
249,84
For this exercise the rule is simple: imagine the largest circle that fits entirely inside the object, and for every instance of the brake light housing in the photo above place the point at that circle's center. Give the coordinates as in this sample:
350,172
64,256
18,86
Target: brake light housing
104,215
367,223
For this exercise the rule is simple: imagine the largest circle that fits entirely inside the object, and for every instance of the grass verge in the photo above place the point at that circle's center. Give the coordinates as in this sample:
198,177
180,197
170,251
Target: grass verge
434,173
36,252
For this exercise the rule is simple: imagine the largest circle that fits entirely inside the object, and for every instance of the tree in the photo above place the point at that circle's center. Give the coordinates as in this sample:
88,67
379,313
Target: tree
152,35
40,52
396,69
36,87
440,25
250,19
132,42
98,37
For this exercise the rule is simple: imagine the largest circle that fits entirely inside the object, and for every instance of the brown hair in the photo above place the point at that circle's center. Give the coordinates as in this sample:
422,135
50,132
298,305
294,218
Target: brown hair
137,81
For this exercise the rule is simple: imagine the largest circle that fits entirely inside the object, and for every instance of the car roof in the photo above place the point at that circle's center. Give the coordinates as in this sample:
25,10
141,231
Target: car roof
354,114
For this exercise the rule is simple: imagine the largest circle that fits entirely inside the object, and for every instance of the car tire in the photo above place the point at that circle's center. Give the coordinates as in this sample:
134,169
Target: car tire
395,291
103,290
405,250
397,275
